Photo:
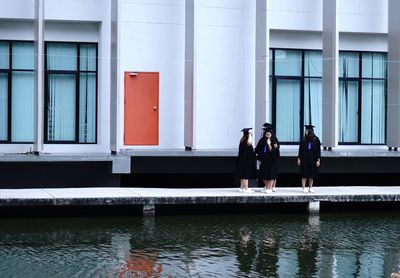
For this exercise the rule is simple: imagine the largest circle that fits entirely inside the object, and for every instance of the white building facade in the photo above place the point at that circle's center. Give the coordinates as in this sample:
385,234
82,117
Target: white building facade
212,67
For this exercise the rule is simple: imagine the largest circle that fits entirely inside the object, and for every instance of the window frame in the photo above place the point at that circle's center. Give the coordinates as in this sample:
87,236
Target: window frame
301,78
9,73
76,73
359,81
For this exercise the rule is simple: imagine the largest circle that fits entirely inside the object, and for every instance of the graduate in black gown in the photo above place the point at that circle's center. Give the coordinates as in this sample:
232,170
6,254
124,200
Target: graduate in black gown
267,152
309,158
246,161
268,126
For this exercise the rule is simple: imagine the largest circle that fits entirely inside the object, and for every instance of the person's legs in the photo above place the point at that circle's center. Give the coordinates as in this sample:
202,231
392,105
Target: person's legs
310,183
246,184
303,184
270,184
242,184
246,187
265,185
273,185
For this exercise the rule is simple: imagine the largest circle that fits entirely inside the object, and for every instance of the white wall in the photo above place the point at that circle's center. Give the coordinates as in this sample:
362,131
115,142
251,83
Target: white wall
363,42
17,9
295,39
295,15
223,106
16,30
74,10
366,16
152,40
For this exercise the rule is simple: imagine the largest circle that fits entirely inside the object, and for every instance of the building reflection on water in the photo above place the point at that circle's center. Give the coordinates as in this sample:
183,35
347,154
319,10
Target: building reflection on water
276,245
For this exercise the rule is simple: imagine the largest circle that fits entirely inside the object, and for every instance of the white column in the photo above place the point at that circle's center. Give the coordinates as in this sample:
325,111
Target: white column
330,55
262,64
393,113
39,78
189,75
115,108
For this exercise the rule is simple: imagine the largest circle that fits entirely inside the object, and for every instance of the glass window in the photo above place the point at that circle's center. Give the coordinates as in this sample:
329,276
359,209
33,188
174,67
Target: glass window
62,56
313,63
298,92
72,92
4,55
362,98
288,62
349,64
87,108
88,57
287,110
22,56
348,111
374,65
270,99
16,92
3,106
61,108
373,112
313,103
22,106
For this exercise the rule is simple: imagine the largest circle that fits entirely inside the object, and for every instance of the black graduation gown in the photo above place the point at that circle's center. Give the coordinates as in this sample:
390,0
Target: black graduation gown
309,153
246,162
268,158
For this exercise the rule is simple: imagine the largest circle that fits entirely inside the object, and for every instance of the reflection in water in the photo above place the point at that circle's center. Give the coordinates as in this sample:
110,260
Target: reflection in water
267,259
328,245
142,263
307,249
246,250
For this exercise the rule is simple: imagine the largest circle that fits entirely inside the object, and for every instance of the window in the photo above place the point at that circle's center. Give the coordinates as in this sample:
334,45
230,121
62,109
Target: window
16,91
71,93
362,97
296,91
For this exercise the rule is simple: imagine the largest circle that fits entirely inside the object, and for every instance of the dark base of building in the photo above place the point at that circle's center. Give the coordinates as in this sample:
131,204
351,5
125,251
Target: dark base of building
192,171
56,174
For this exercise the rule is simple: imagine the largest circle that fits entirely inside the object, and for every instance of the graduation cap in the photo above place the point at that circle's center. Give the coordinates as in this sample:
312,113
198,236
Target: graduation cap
246,130
267,127
309,127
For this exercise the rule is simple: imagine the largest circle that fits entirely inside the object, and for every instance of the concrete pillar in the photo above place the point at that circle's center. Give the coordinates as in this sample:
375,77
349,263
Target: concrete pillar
115,132
393,112
149,210
189,75
330,55
38,98
313,207
262,64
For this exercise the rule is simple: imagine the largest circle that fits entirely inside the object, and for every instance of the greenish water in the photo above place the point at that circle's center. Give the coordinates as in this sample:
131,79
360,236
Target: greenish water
245,245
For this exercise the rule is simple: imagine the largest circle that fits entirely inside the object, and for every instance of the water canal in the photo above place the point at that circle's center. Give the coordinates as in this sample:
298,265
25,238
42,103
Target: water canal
246,245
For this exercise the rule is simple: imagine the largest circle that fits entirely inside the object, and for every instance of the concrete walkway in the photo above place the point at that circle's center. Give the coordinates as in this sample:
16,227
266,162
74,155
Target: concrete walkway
154,196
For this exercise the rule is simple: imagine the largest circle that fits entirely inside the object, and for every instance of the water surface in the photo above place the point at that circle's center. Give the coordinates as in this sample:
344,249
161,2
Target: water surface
245,245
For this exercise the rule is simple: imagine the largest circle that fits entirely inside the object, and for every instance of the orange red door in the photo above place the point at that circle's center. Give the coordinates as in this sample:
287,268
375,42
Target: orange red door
141,108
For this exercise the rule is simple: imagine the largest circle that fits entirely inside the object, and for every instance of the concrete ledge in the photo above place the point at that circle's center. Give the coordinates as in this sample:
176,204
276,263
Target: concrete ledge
160,196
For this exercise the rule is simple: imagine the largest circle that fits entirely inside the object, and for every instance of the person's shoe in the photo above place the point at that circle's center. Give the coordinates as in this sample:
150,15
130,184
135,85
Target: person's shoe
240,189
248,190
305,190
269,191
264,190
274,189
311,190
